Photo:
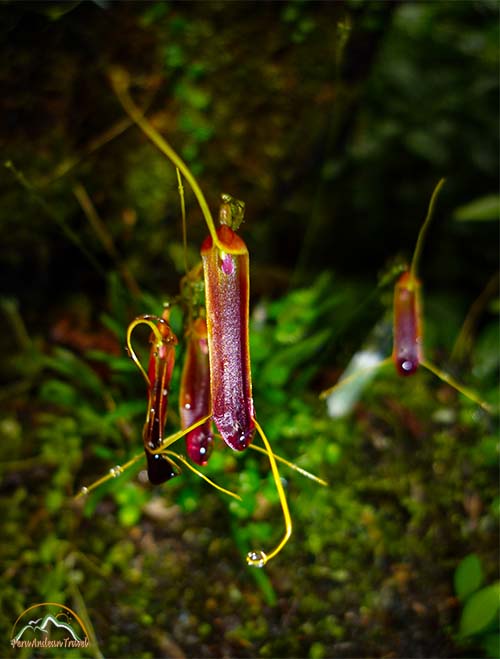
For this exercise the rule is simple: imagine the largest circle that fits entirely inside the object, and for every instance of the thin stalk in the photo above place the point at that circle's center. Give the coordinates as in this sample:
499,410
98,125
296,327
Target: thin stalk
150,323
463,343
105,237
259,558
465,391
113,473
182,459
180,187
69,233
11,310
168,441
80,602
96,143
120,87
423,230
292,465
351,378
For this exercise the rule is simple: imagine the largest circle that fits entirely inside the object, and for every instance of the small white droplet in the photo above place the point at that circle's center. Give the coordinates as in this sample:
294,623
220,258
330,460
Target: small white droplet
203,450
187,406
84,491
165,392
256,558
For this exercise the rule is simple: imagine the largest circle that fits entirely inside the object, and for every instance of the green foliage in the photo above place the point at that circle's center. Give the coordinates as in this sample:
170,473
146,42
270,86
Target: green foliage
480,610
468,576
479,620
484,209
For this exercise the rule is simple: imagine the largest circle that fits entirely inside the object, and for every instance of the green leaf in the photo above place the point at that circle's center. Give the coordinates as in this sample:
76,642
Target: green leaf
59,393
483,209
68,364
491,645
480,610
123,411
279,368
468,576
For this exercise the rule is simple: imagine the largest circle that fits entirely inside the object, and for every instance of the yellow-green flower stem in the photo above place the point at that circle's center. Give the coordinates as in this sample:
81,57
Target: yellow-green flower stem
120,86
180,188
168,441
465,391
150,322
423,230
442,375
351,378
259,558
118,470
182,459
113,473
292,465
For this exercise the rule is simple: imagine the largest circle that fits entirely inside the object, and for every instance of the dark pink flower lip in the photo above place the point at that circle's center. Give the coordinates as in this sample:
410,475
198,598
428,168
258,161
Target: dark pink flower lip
227,309
194,399
160,368
407,349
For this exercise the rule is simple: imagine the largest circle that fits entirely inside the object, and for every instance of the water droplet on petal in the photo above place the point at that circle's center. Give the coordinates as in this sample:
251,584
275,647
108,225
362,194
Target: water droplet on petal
407,365
256,558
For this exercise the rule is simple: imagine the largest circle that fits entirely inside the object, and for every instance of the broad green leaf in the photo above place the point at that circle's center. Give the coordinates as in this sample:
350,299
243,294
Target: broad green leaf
480,210
480,610
468,576
491,645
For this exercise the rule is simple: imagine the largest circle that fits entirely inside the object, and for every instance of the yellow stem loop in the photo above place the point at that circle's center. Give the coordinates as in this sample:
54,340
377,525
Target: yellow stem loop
150,322
259,558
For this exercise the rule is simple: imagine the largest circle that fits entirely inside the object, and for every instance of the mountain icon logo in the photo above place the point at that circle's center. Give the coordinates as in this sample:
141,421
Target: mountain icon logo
49,625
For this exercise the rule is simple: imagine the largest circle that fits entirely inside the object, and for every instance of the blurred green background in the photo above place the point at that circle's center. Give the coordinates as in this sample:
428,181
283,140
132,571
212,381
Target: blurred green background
333,122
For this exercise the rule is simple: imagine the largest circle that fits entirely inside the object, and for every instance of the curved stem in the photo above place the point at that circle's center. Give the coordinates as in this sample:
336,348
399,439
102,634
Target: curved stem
180,187
465,391
292,465
119,82
463,343
171,439
143,320
259,558
185,462
423,229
